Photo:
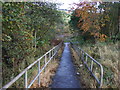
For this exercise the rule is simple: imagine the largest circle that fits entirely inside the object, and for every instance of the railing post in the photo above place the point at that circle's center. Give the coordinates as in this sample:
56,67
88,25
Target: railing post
24,72
45,60
53,54
26,79
101,80
38,72
91,65
86,59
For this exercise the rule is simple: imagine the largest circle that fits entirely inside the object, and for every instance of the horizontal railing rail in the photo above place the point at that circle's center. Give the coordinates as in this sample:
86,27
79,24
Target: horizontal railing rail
92,65
48,55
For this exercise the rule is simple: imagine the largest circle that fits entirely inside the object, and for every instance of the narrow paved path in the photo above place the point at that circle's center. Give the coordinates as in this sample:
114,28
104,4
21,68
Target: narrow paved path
65,76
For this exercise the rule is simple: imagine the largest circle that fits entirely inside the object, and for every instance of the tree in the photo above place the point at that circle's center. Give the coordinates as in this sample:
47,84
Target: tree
26,27
95,19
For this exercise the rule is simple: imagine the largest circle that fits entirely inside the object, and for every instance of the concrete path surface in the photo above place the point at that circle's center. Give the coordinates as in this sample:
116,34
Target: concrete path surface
66,76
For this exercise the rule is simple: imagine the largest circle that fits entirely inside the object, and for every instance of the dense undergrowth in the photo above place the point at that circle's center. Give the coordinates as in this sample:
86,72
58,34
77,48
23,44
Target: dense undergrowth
29,29
98,34
82,72
27,32
108,55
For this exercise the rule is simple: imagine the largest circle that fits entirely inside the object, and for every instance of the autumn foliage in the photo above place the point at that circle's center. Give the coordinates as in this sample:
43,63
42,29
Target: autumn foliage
91,19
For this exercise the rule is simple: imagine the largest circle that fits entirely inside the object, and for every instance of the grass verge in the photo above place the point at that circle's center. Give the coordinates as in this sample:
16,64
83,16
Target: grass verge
83,74
108,55
49,72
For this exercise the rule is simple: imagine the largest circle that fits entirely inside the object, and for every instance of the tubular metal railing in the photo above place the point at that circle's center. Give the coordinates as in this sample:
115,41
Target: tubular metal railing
92,65
49,55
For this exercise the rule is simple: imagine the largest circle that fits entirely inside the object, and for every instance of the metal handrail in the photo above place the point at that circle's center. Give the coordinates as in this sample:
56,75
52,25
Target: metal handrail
86,56
51,54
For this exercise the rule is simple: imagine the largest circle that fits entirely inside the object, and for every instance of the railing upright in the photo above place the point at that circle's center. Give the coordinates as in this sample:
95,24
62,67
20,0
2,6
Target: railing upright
38,73
51,54
26,81
90,68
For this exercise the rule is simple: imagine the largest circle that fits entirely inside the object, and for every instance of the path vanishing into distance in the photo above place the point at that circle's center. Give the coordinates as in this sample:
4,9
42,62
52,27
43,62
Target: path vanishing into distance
66,76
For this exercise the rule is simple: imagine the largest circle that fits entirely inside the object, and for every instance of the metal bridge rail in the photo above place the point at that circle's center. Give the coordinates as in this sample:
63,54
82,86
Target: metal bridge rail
51,54
84,57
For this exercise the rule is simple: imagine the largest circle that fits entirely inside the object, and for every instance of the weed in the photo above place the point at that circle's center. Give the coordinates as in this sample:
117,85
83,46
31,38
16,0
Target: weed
108,56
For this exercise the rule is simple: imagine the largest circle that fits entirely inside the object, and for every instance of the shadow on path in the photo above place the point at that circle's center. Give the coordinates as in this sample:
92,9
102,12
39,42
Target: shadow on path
65,76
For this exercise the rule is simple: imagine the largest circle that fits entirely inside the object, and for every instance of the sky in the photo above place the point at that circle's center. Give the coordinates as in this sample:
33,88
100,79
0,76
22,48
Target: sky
66,4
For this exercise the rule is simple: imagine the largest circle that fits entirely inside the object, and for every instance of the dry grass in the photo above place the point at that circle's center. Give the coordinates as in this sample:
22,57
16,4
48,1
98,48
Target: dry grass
108,56
47,75
84,76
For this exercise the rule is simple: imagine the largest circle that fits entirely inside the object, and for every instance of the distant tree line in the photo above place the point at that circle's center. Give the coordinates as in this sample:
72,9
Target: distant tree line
91,22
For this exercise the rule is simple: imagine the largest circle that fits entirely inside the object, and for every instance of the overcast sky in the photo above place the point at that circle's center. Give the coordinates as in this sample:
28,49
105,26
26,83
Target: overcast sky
66,4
